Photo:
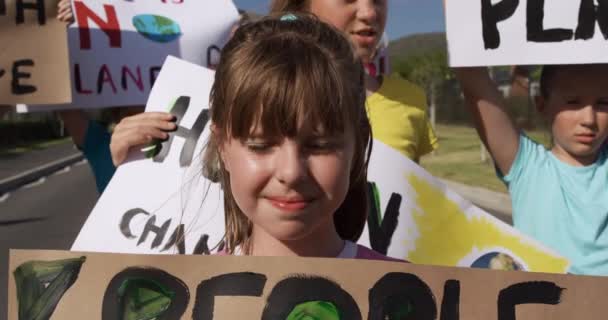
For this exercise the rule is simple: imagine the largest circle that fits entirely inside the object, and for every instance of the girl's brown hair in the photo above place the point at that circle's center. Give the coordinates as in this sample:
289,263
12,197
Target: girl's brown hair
280,73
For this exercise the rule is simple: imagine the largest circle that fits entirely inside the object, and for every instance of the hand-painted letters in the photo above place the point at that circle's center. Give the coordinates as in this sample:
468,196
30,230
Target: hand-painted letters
382,226
589,15
233,284
145,293
176,239
540,292
192,135
17,87
139,291
129,77
37,5
110,26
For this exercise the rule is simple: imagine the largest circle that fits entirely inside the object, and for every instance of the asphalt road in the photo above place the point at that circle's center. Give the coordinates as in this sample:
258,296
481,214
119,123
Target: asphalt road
44,215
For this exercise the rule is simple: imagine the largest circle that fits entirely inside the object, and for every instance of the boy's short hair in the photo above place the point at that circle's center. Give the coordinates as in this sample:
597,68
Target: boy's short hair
549,71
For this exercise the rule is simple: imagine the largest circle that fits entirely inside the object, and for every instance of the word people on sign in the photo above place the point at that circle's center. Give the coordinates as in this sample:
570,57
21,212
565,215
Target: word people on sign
66,285
589,15
154,291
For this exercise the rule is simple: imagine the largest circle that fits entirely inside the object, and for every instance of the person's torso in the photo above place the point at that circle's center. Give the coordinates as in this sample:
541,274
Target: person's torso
566,208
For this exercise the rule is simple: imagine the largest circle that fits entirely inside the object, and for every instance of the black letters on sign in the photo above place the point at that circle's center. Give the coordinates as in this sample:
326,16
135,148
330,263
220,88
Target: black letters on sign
136,293
382,226
543,292
37,5
588,14
16,86
247,284
191,135
450,305
536,30
491,15
401,296
291,292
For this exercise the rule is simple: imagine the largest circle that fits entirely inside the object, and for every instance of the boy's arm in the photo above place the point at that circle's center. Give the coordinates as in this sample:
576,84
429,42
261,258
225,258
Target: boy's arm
495,127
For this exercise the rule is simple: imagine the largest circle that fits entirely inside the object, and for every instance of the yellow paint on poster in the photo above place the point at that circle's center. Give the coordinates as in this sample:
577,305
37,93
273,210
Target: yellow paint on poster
447,234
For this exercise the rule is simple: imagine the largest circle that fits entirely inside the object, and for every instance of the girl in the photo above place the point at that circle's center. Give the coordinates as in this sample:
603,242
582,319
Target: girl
396,107
290,137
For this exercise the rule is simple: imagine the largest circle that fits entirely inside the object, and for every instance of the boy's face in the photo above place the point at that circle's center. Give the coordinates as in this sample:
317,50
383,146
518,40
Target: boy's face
577,108
362,21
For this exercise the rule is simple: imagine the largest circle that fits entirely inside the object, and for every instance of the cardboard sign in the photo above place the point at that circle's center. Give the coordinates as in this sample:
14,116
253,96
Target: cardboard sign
68,285
165,205
33,54
514,32
117,47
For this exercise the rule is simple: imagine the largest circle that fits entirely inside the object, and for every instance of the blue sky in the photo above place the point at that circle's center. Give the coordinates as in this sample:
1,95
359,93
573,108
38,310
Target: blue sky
405,16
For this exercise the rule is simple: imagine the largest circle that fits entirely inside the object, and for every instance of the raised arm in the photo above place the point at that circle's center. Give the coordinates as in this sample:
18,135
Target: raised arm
494,125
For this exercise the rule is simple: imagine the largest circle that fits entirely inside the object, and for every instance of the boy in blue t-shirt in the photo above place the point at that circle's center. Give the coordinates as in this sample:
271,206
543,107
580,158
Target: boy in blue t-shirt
560,196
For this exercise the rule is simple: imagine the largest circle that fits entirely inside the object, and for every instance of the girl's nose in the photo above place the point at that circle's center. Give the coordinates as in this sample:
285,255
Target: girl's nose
367,10
291,166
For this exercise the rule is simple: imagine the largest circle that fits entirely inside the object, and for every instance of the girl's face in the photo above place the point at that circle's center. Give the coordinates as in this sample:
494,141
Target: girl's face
362,21
289,188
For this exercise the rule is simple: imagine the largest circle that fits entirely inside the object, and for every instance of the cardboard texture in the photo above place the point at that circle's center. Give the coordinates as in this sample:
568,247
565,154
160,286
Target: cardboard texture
150,203
507,32
34,58
228,287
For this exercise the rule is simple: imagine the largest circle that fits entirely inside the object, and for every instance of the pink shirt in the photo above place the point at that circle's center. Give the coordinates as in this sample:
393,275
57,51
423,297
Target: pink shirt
351,251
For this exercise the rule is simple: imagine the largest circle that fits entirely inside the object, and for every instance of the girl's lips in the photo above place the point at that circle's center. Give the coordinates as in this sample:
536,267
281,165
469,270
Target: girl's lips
365,39
289,204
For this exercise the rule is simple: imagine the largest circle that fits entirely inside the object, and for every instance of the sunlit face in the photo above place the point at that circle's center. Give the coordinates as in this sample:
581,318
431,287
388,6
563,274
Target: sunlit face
577,109
289,188
363,21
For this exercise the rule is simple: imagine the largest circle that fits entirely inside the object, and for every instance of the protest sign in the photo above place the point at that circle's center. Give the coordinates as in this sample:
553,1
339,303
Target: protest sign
152,204
69,285
508,32
117,47
33,54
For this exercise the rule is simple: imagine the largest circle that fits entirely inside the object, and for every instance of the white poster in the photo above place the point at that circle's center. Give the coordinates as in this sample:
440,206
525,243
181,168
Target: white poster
518,32
152,204
117,47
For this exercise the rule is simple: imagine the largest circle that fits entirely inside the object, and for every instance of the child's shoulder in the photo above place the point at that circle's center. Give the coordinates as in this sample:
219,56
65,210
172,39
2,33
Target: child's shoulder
396,91
394,82
369,254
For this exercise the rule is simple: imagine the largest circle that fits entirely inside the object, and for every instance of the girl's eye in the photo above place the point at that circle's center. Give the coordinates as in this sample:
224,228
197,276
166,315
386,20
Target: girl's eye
322,145
258,146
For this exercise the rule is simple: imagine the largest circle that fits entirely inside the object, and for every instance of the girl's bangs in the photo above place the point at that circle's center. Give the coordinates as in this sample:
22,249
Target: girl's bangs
282,96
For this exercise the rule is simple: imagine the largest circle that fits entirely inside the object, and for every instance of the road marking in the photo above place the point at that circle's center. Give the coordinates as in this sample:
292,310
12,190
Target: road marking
4,197
62,171
35,183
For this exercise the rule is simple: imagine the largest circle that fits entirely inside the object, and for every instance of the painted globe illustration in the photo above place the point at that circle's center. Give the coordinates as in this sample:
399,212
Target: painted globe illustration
497,261
156,28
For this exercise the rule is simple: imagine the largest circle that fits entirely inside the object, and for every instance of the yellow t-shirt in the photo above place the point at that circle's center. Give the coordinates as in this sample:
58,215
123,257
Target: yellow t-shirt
397,113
